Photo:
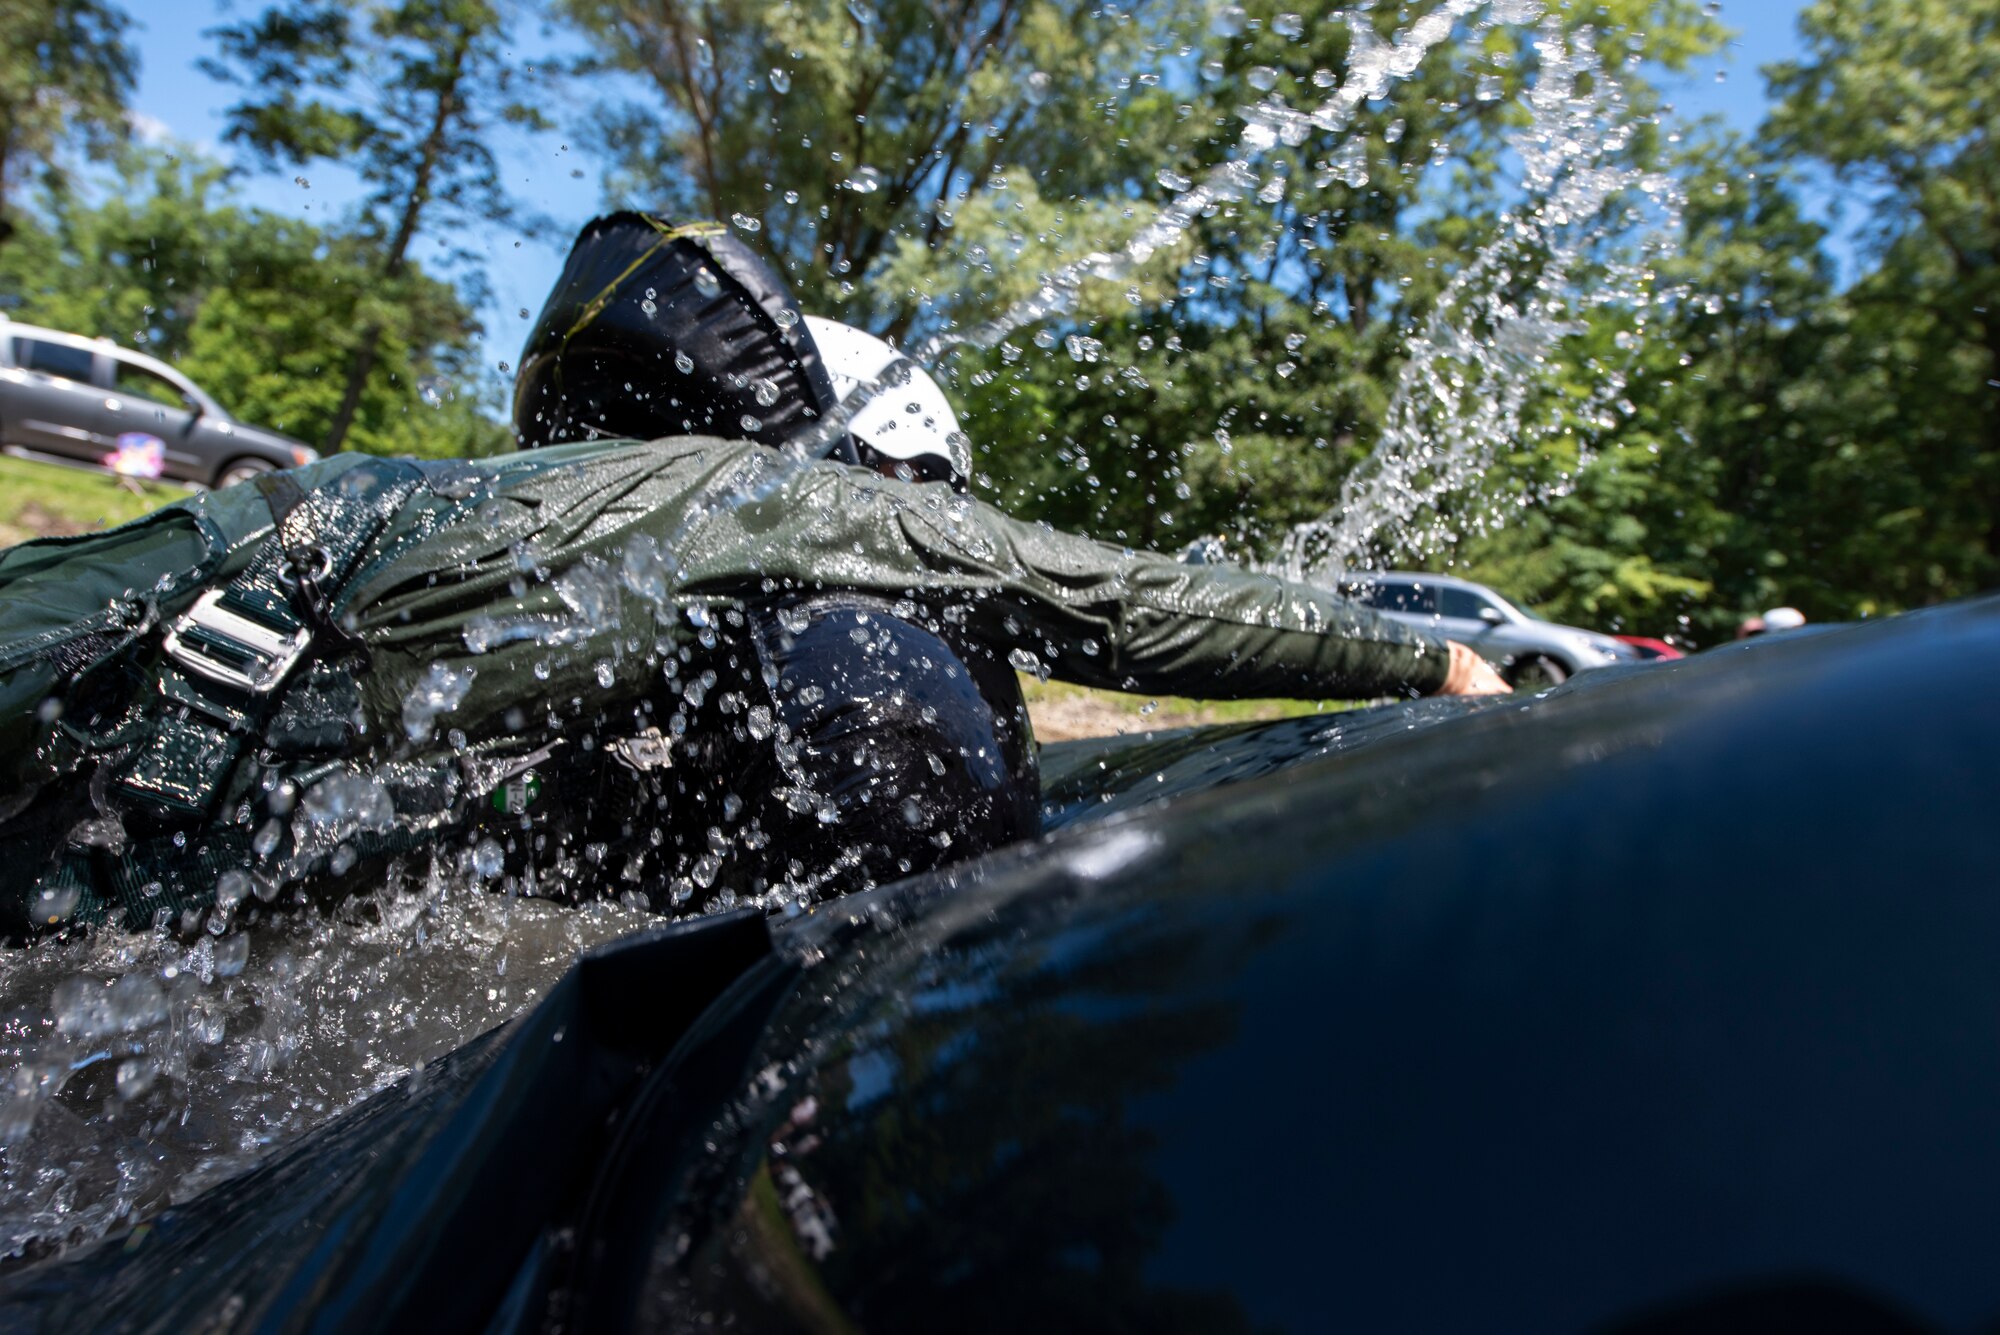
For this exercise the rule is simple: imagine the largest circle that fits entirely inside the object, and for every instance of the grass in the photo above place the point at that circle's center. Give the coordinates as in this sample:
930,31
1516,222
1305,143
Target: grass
39,500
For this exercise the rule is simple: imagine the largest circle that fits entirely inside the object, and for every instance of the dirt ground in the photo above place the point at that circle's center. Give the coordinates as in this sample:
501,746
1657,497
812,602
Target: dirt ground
1072,716
1061,712
36,521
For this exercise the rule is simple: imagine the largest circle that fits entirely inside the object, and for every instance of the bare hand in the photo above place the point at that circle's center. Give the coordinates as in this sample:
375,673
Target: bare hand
1471,675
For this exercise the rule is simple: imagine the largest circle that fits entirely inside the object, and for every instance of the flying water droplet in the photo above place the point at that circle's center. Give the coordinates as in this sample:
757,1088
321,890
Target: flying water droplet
136,1076
488,859
231,888
441,690
232,953
1022,660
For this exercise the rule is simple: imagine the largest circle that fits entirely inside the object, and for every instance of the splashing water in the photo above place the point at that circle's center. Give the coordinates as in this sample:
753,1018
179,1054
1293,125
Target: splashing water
1465,393
1373,68
1468,384
145,1067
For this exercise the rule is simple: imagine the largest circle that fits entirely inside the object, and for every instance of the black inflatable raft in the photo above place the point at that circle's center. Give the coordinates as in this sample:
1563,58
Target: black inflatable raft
1666,1001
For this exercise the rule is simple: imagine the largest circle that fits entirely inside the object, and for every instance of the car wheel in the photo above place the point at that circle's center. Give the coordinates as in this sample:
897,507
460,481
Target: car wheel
242,470
1536,672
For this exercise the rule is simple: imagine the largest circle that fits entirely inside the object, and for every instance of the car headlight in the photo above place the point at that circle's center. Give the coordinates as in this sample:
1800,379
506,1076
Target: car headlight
301,456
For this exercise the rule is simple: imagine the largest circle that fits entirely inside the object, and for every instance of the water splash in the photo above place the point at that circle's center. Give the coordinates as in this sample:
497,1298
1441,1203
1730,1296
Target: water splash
1467,391
141,1065
142,1068
1374,66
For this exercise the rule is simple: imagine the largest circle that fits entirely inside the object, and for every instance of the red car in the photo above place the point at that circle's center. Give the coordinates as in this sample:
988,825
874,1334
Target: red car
1650,648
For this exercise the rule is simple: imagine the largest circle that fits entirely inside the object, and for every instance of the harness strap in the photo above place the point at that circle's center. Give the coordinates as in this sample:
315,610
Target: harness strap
224,659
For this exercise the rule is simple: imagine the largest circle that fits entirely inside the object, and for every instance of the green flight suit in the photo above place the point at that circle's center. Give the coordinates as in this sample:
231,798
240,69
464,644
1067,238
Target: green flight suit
567,575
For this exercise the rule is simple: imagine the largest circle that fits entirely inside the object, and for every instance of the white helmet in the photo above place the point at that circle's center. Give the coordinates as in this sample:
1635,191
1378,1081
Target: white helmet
910,421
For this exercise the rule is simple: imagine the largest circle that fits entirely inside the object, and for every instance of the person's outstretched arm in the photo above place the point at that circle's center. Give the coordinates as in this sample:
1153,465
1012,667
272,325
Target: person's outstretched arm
1091,613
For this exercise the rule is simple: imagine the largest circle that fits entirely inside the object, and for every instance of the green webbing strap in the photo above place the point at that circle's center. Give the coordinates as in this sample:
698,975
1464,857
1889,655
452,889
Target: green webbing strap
226,658
157,876
134,887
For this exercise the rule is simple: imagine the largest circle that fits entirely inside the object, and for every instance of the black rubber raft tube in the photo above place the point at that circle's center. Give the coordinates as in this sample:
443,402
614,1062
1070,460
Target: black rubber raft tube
1667,1000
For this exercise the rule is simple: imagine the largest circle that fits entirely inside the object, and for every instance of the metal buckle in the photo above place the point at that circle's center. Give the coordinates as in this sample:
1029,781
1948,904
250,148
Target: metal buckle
272,652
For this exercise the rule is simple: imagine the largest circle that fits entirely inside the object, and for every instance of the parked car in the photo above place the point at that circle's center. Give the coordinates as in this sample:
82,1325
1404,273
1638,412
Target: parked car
88,401
1528,651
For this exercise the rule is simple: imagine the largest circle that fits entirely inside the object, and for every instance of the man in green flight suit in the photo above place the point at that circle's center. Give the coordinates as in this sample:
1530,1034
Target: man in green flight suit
723,644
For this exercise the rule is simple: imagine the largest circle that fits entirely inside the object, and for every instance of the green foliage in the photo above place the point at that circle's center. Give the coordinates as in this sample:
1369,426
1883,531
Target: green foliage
402,93
405,94
1237,404
909,163
1790,441
66,73
256,308
1902,98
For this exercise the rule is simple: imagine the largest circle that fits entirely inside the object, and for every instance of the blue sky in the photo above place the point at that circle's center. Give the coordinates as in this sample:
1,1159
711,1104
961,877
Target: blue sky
561,182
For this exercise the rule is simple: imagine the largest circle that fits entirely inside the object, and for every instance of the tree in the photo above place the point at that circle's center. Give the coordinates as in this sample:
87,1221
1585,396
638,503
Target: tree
909,163
401,92
66,72
252,306
1901,98
1375,200
1683,519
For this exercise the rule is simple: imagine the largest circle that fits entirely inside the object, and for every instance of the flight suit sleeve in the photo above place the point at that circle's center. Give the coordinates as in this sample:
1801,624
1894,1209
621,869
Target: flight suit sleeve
1086,611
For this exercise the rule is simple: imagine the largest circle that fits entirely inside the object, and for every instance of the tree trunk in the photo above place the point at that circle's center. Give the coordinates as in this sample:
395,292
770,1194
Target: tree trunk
399,248
1992,460
6,221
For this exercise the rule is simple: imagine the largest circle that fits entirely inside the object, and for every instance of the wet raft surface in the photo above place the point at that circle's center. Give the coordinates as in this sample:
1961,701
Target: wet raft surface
1666,1001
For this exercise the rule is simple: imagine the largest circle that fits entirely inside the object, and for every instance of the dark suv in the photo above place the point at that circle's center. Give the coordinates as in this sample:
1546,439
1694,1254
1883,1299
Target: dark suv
87,400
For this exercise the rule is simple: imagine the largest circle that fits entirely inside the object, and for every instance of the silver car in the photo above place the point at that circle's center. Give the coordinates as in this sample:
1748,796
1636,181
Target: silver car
88,401
1528,651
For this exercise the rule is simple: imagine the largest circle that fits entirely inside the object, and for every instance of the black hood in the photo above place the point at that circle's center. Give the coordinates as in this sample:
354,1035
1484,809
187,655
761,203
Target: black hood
663,329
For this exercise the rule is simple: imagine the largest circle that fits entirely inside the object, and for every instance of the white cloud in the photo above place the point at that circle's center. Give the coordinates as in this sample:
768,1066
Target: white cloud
148,129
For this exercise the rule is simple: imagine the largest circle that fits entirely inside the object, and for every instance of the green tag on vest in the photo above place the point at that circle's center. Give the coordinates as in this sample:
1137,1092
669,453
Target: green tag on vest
514,797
